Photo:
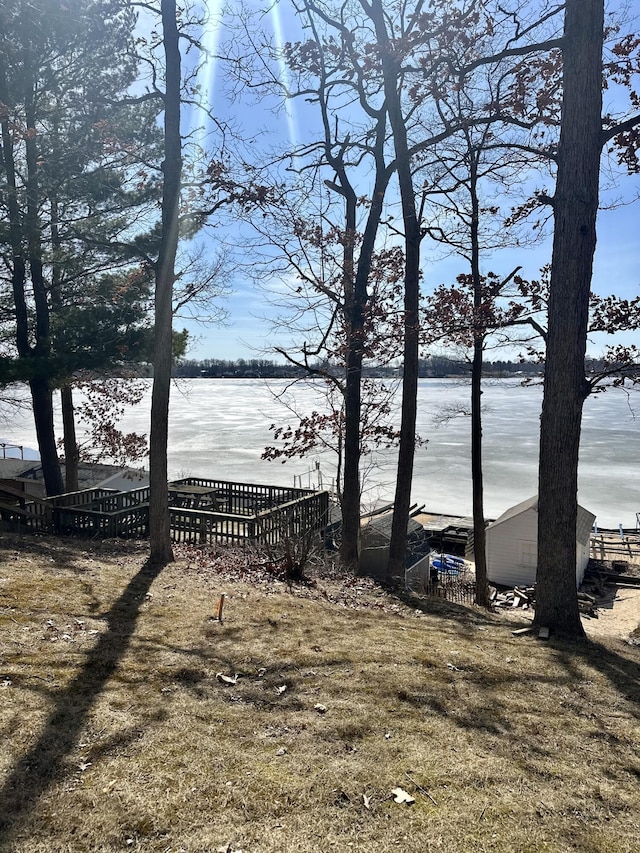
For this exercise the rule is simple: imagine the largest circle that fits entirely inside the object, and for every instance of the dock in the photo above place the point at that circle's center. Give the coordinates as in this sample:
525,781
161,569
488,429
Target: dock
615,551
451,534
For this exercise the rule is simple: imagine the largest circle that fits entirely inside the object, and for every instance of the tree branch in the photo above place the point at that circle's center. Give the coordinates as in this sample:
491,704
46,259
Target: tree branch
623,127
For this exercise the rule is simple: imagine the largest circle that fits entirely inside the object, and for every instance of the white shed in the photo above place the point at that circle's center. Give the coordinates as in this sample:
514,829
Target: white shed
512,545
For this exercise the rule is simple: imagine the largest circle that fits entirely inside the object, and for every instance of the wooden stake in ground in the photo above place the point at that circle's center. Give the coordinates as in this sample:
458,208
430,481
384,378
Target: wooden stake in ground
219,606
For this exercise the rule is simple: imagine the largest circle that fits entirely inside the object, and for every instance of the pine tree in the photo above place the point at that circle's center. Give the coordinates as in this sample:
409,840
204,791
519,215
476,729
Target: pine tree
81,187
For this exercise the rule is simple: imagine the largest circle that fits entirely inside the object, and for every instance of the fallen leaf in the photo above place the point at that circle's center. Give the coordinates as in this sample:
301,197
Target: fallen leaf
366,802
282,751
227,679
401,796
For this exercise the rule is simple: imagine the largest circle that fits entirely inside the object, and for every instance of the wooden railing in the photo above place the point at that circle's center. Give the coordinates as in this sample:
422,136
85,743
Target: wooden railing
102,512
245,513
128,522
19,509
81,498
202,527
31,516
244,498
292,520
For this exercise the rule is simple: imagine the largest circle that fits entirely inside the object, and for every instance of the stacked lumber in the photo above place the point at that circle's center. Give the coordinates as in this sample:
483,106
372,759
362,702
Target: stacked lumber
525,597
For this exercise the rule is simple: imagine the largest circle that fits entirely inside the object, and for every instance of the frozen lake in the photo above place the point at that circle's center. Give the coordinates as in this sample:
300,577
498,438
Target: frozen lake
219,428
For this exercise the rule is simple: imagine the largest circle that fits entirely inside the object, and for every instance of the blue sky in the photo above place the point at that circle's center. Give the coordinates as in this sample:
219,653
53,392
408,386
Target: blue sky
247,334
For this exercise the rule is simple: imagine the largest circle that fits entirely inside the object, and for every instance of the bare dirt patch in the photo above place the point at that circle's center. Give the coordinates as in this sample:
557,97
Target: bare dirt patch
618,614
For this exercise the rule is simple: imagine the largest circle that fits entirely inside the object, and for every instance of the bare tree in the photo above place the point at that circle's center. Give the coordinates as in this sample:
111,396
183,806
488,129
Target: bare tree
575,207
159,522
467,174
329,71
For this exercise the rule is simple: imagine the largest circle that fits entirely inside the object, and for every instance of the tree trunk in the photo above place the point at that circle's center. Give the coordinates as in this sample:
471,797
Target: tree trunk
477,482
41,393
350,548
350,505
18,264
71,450
159,521
406,450
42,402
354,317
575,206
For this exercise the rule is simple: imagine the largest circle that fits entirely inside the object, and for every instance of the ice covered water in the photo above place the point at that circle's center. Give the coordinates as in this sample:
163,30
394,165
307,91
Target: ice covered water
219,428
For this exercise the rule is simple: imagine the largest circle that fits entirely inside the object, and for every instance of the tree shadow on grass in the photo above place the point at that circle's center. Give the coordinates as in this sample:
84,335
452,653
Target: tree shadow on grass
621,666
614,659
467,617
43,763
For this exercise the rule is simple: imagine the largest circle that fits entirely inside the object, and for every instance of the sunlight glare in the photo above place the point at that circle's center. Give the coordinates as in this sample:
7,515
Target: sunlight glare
210,40
284,75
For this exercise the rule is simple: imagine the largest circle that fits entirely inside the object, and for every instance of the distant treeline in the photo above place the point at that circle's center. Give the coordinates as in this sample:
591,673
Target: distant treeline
255,368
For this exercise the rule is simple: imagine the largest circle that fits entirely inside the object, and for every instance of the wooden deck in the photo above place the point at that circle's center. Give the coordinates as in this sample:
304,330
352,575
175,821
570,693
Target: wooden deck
201,511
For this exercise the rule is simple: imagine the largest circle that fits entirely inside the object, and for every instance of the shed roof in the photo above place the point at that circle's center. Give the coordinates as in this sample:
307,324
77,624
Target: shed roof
583,526
11,467
89,474
381,525
523,506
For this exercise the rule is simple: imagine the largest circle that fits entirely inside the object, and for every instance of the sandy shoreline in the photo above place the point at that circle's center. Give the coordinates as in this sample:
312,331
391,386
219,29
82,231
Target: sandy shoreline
618,614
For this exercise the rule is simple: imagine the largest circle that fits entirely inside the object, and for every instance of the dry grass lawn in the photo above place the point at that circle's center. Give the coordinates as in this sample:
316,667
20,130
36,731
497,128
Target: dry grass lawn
118,731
